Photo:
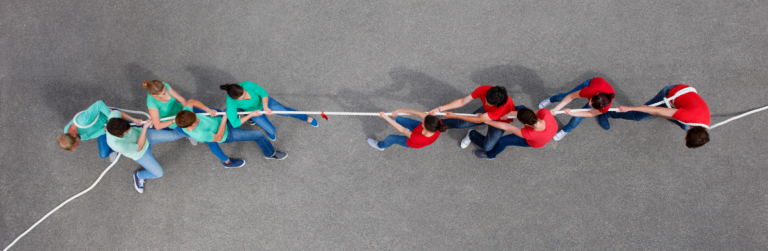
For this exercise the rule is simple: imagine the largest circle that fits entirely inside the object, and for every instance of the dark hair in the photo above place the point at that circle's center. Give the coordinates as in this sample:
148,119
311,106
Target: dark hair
601,100
697,136
432,124
496,96
233,90
117,126
185,118
527,116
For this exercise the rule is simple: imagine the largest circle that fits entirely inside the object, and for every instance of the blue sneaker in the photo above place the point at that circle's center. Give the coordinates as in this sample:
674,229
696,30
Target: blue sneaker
138,183
314,122
481,154
603,119
234,163
272,137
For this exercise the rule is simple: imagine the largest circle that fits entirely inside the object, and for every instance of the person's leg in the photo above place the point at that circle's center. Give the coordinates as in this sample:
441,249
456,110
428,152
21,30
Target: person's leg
459,124
237,134
574,122
152,168
104,149
409,124
486,142
157,136
216,150
276,106
560,96
509,140
393,139
263,122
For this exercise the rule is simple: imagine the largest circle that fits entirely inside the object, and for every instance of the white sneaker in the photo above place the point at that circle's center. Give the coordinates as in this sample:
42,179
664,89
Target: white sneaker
544,103
559,135
112,157
466,141
375,144
192,141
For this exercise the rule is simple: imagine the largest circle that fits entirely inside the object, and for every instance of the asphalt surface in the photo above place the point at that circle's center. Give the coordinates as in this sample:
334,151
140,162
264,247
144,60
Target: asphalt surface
634,187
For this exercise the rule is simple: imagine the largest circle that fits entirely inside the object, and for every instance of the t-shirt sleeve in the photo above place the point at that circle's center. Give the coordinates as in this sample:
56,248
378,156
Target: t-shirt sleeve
526,132
115,114
151,104
255,89
588,92
480,92
232,113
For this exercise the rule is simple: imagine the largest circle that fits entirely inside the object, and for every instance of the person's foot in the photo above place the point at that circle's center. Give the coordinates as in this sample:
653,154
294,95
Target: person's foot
544,103
375,144
312,121
559,135
234,163
192,141
278,155
112,157
272,137
603,119
466,141
481,154
250,122
138,183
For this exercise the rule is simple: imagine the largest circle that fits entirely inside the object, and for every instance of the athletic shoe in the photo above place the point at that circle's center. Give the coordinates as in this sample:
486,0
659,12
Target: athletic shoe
138,183
250,122
112,157
314,122
481,154
234,163
544,103
559,135
272,137
192,141
278,155
375,144
603,119
466,141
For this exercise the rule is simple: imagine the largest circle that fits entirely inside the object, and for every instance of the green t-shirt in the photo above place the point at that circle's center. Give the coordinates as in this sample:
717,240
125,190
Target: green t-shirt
127,145
249,105
207,127
98,109
165,109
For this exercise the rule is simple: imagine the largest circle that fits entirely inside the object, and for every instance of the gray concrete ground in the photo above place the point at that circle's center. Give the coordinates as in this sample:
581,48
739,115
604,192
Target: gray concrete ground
634,187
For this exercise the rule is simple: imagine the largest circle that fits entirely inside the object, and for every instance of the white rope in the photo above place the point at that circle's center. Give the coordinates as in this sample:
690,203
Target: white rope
64,203
739,116
74,120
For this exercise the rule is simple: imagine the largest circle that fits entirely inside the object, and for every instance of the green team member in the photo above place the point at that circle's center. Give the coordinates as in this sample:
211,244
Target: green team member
89,124
162,102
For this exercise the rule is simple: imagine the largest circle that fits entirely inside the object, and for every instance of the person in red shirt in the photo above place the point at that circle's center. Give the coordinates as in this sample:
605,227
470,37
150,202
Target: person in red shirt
417,134
600,94
689,111
496,107
540,127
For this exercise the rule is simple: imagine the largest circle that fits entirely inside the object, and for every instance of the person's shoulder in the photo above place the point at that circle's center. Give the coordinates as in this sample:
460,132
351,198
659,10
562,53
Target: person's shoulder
115,114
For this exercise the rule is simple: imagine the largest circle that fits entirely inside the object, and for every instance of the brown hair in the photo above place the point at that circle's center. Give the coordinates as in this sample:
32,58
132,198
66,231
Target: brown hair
433,124
185,118
697,136
67,142
118,126
601,100
527,116
233,90
154,87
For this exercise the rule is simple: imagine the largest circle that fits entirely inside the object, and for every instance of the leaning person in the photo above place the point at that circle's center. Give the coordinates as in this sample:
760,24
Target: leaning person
417,134
89,124
600,94
540,127
162,102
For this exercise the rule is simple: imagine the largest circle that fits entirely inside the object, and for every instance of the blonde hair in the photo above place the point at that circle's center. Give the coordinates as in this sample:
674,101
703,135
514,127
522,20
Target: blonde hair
153,86
66,142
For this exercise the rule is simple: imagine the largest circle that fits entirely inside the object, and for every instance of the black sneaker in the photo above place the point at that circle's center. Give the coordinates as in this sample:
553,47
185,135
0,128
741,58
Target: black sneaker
234,163
278,155
481,154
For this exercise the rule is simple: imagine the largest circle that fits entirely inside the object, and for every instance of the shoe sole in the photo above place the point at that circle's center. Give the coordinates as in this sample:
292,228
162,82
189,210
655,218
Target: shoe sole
275,158
461,144
137,186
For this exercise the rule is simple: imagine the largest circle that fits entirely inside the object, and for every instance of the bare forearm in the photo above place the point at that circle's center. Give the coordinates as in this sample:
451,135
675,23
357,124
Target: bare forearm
453,104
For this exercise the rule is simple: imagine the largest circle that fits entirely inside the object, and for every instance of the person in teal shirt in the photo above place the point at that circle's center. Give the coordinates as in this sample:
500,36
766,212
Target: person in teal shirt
248,96
162,102
89,124
137,144
214,130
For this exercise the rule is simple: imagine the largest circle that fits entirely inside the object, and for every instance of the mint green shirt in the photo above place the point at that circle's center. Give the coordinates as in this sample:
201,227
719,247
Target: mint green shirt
127,145
249,105
207,127
98,109
165,109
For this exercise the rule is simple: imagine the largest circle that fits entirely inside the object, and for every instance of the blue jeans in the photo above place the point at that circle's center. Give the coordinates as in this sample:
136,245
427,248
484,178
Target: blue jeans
409,124
152,168
264,123
575,121
640,116
237,134
104,149
486,142
509,140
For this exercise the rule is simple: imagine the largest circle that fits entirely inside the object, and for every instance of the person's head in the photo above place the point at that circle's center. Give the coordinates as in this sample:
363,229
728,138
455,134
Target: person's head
527,116
496,96
601,100
234,91
696,136
154,87
118,126
185,118
68,142
433,124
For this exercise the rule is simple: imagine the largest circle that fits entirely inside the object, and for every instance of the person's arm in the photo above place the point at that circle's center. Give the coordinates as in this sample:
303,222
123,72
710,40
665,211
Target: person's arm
565,102
588,114
201,106
506,127
419,114
452,105
178,97
222,128
394,124
653,110
143,136
249,116
481,117
265,105
129,118
155,115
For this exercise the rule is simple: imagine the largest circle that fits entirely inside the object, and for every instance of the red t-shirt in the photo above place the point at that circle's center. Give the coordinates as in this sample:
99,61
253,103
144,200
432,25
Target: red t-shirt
494,112
537,139
691,108
596,86
418,140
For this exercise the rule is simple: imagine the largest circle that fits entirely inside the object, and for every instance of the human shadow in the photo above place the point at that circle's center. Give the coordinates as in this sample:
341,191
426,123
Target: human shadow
207,80
517,79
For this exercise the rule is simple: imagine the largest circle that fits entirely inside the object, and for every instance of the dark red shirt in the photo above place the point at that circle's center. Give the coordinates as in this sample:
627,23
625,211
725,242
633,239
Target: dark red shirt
418,140
691,108
538,139
495,113
596,86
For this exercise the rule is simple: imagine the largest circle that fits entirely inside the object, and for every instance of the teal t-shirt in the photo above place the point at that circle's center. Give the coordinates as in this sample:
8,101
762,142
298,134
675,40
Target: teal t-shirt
207,127
127,145
99,111
165,109
249,105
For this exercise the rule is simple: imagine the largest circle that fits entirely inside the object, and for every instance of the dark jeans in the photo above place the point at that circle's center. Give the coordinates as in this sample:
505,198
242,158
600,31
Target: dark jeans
575,121
486,142
509,140
409,124
640,116
104,149
236,134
